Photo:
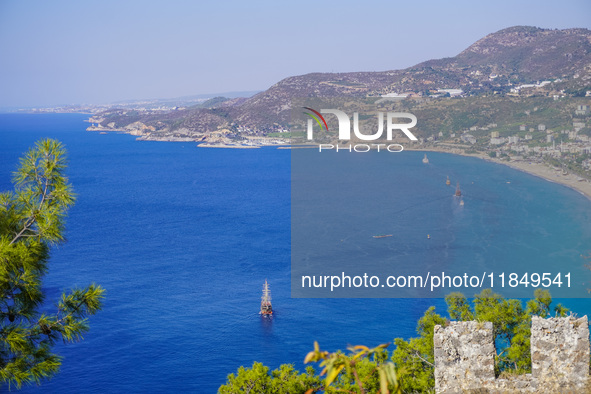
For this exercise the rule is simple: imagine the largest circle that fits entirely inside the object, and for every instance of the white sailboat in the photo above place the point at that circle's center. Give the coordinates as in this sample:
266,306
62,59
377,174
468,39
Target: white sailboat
266,308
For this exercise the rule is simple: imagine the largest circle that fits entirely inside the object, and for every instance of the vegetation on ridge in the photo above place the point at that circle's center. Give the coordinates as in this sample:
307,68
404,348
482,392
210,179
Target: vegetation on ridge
410,367
493,65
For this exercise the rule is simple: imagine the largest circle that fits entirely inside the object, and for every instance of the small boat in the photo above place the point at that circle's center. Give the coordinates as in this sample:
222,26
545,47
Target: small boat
425,159
462,203
266,308
458,191
448,182
382,236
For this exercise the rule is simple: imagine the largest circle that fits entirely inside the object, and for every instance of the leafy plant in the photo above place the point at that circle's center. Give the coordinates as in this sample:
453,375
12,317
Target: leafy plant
363,370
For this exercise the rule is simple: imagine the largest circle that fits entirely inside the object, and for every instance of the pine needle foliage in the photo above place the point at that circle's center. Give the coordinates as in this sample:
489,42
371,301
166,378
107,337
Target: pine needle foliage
31,221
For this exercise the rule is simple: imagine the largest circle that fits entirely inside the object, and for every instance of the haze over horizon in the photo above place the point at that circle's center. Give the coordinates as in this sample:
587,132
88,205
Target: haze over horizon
67,52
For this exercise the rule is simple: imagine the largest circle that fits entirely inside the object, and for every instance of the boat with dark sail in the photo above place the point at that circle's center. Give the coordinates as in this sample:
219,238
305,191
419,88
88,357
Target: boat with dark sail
266,308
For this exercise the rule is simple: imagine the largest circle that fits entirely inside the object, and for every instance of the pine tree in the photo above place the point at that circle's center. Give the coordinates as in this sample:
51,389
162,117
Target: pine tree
31,221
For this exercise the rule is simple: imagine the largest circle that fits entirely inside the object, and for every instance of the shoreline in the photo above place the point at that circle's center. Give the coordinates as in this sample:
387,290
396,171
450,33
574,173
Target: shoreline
226,146
571,181
540,170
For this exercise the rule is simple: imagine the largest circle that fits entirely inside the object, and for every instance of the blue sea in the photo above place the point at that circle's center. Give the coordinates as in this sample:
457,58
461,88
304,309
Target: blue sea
182,238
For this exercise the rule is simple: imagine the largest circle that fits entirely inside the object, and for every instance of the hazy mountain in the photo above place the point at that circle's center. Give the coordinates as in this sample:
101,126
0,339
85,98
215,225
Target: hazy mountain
493,65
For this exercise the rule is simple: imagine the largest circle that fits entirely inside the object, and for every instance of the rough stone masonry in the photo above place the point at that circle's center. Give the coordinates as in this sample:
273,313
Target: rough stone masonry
464,358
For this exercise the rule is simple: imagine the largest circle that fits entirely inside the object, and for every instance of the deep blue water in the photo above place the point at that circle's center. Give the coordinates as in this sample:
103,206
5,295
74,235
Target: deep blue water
182,238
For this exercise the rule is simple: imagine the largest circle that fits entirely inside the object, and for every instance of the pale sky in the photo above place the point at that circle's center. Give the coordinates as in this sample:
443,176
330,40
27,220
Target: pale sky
73,52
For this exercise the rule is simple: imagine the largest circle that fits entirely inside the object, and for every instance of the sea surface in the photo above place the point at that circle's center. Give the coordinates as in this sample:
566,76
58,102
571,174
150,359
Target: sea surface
182,239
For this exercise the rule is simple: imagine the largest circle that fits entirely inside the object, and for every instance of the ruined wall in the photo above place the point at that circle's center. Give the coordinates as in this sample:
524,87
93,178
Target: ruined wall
464,358
560,350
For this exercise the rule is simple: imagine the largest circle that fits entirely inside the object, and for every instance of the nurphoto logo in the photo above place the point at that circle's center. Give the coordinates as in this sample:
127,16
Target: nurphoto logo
344,130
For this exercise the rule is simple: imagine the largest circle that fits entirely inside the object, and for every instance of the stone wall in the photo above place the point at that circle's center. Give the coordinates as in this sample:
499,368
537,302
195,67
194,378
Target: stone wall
560,350
464,358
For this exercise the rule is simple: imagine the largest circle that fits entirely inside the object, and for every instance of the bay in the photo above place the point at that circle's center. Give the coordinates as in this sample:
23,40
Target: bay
182,238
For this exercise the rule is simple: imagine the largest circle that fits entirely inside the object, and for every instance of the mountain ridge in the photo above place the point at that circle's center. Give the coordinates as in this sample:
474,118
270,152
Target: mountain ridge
494,64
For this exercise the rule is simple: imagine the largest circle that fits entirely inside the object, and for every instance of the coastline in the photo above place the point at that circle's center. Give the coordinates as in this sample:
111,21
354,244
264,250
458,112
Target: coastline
226,146
540,170
536,169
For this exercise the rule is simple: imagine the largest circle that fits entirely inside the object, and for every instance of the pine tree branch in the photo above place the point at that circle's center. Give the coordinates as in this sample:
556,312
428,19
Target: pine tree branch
27,225
31,220
416,353
357,380
76,309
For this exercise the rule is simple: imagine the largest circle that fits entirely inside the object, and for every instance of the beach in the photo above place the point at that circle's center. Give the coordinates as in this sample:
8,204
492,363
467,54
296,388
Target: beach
538,169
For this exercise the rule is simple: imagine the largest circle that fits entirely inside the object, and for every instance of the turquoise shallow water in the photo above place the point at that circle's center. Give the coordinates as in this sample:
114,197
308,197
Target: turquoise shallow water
182,239
505,221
